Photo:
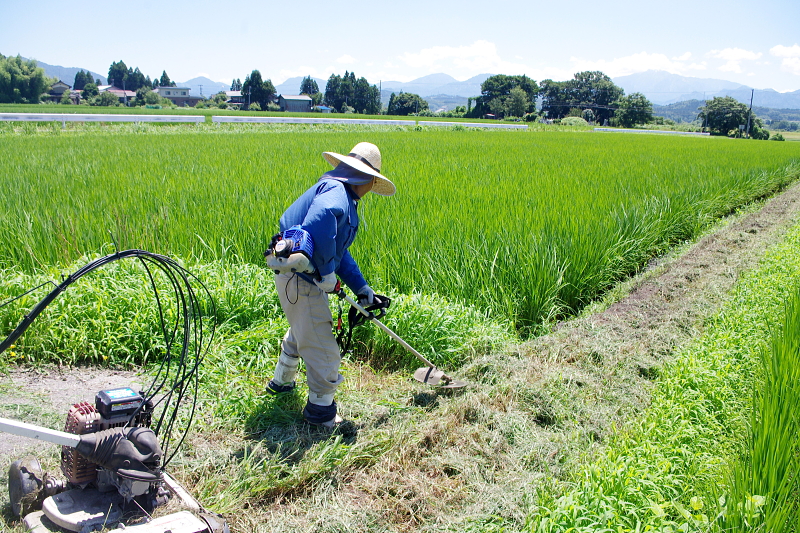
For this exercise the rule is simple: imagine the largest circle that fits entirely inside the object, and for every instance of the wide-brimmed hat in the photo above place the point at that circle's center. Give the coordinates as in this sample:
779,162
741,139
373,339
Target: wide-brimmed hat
366,158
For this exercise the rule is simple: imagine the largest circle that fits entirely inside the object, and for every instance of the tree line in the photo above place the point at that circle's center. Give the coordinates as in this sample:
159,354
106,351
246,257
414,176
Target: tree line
590,95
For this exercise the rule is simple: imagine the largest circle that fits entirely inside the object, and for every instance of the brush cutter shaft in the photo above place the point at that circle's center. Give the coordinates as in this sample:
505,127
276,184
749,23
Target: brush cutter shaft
37,432
388,331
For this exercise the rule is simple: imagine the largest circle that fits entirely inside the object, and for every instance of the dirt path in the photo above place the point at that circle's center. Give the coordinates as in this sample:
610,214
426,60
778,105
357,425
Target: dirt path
44,396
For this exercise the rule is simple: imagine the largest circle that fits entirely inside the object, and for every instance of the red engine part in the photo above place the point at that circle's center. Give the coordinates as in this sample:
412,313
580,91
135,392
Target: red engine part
82,418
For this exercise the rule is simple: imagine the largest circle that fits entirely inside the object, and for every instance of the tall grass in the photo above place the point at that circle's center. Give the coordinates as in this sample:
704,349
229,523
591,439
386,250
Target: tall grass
523,225
718,448
762,483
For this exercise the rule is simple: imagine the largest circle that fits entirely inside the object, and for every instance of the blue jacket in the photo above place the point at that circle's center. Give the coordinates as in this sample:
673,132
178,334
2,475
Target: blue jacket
327,211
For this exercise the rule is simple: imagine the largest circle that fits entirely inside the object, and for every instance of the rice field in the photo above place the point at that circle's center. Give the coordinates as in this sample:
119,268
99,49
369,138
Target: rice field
523,225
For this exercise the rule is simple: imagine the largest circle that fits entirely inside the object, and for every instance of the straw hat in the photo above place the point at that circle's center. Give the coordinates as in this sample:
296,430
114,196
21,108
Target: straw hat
366,158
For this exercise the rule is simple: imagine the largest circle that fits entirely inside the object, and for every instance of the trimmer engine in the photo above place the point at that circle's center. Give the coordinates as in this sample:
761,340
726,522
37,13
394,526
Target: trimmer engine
291,251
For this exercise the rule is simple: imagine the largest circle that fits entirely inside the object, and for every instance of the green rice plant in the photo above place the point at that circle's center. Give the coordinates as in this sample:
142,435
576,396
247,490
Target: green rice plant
526,226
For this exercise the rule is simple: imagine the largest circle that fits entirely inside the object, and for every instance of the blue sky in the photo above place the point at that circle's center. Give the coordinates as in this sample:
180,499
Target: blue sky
753,43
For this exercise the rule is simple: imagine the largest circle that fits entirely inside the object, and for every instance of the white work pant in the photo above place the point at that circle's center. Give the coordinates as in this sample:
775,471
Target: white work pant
310,335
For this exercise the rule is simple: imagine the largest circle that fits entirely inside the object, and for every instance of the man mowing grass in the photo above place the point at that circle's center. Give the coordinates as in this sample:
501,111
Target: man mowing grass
327,211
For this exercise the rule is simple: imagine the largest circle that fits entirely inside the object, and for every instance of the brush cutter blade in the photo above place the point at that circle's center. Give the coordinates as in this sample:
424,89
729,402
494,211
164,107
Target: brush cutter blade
430,375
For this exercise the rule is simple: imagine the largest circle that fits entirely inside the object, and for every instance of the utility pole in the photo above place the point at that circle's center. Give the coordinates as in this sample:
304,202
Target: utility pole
750,112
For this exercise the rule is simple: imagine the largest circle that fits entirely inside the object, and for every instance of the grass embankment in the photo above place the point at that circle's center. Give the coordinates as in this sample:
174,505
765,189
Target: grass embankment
717,449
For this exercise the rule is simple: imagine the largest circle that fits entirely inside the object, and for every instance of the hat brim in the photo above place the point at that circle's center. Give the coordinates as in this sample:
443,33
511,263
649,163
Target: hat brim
382,185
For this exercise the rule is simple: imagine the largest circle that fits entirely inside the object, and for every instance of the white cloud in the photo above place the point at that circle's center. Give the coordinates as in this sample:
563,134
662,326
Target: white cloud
733,58
790,55
785,51
480,56
731,66
791,65
735,54
622,66
346,60
684,57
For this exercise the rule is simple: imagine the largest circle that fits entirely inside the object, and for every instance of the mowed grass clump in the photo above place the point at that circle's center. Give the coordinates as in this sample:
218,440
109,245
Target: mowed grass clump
717,449
523,225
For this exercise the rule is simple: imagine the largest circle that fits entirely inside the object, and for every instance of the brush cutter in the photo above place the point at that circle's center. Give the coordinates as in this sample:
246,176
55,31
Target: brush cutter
429,374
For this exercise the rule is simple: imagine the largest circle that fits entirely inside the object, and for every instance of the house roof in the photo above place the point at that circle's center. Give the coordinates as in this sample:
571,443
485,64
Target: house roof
233,94
295,97
120,92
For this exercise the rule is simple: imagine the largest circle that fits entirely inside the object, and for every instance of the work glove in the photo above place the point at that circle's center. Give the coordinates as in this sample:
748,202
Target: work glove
366,296
327,283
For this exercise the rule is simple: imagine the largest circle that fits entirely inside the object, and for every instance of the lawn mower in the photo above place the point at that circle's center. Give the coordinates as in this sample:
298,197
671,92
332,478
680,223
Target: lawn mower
114,452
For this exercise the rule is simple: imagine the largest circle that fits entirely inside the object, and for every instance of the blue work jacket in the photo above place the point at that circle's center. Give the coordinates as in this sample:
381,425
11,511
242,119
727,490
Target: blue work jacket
327,211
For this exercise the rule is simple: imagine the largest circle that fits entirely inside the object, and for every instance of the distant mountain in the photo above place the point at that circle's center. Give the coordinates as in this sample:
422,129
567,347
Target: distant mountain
445,102
202,86
438,84
292,85
663,88
67,74
687,111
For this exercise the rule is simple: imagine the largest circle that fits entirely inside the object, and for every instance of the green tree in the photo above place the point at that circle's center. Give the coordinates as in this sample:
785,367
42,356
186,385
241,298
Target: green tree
346,91
89,91
258,90
723,114
236,85
105,99
633,109
332,91
22,81
135,80
552,94
152,98
81,79
164,81
406,104
587,90
309,86
517,102
500,87
65,99
117,73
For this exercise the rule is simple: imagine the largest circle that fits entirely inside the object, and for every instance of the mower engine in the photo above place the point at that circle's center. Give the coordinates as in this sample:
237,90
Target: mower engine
113,474
291,251
114,409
